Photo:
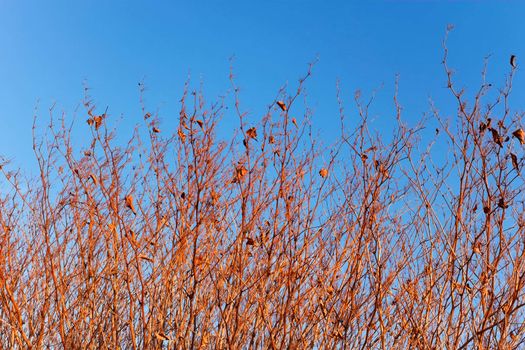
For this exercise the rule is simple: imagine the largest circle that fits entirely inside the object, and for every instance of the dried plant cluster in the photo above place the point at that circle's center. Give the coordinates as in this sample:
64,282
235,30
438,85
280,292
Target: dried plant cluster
177,240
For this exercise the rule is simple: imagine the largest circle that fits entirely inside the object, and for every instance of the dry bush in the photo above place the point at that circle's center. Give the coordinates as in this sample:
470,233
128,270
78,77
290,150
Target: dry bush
177,240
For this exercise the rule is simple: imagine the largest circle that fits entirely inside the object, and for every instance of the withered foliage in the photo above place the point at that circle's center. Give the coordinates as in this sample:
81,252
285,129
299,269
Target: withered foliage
368,243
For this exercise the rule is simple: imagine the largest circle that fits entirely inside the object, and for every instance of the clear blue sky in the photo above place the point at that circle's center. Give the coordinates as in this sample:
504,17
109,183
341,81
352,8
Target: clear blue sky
48,48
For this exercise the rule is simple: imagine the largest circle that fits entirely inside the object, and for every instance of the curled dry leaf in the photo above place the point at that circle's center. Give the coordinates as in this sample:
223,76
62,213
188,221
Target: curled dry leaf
271,139
98,120
240,172
502,204
155,130
129,203
200,122
281,105
514,161
93,178
147,115
323,172
520,135
294,122
252,133
161,336
182,135
496,137
484,126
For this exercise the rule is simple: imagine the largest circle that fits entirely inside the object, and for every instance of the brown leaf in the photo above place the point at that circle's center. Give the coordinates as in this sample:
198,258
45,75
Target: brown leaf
520,135
155,130
147,115
93,178
496,137
323,172
98,120
252,133
181,135
502,204
294,121
514,162
129,203
282,105
161,336
271,139
200,122
513,61
482,127
240,172
250,241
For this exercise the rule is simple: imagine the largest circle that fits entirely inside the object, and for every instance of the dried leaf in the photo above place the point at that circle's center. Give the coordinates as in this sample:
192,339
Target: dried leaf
147,115
513,61
98,120
294,122
323,172
282,105
129,204
520,135
252,133
181,135
496,137
155,130
162,336
93,178
514,162
240,172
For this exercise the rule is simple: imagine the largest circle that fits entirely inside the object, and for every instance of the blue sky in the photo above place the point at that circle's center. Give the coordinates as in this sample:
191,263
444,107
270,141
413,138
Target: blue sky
49,48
